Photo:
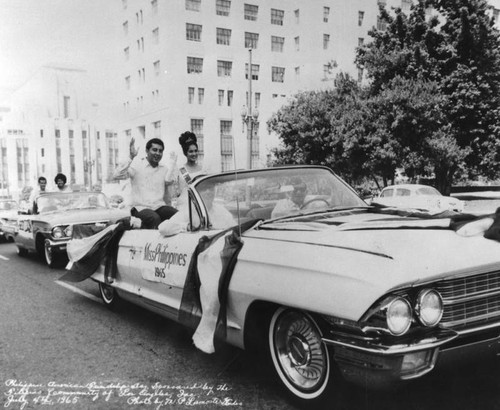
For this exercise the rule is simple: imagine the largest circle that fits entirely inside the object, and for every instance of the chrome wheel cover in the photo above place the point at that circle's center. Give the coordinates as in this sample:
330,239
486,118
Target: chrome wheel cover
107,293
49,255
299,355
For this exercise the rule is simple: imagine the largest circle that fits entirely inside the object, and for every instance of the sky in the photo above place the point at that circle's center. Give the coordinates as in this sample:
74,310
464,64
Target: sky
73,33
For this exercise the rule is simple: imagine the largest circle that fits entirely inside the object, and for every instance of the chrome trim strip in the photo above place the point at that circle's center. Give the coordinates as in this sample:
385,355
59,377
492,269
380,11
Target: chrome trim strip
475,296
478,329
424,343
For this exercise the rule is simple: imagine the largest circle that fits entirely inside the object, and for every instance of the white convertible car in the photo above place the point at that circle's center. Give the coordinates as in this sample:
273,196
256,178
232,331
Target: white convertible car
332,289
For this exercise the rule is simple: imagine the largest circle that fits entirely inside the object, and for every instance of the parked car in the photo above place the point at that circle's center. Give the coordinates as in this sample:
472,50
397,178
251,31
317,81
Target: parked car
8,214
418,196
48,227
334,291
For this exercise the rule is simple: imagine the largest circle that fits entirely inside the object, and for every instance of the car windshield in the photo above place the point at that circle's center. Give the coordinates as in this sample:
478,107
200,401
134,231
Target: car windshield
427,191
67,201
274,193
8,205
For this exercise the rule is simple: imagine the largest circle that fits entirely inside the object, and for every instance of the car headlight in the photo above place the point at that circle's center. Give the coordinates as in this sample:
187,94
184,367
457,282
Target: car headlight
57,232
398,316
69,231
429,307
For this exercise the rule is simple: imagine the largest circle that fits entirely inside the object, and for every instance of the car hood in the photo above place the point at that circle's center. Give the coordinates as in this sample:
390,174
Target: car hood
75,216
8,214
371,255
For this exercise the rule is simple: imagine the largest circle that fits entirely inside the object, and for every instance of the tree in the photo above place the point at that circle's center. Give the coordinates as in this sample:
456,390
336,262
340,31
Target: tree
459,51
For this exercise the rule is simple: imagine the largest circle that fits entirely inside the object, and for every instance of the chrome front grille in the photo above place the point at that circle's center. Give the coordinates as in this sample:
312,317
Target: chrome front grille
471,300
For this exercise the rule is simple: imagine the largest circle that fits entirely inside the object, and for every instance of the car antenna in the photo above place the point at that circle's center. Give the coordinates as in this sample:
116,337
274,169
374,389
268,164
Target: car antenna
237,196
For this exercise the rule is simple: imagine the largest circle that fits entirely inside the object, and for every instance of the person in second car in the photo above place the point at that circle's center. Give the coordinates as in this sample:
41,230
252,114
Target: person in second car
148,184
60,181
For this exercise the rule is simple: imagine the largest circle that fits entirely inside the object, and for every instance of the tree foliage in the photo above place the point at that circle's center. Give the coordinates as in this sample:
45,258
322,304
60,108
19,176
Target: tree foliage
431,106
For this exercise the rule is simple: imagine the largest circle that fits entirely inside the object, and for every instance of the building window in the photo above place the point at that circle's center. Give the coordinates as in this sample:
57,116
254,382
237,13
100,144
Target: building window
496,13
297,43
229,98
193,32
223,36
194,65
278,74
138,17
251,12
197,128
277,17
226,145
222,7
251,40
193,5
140,44
66,106
361,41
201,95
326,41
326,14
41,133
156,36
381,24
327,70
126,53
297,73
277,43
190,95
156,68
406,5
221,97
154,6
58,152
361,16
257,100
297,16
125,28
157,129
127,82
224,68
112,150
255,71
360,74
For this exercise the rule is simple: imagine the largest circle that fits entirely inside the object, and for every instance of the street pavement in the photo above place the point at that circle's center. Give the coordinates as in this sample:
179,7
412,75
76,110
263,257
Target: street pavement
58,338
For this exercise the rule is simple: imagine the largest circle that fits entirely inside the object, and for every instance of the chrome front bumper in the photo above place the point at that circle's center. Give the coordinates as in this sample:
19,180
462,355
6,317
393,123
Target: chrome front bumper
374,364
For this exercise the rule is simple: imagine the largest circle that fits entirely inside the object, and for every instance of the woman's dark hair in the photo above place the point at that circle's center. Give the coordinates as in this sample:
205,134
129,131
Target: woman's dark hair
186,139
60,176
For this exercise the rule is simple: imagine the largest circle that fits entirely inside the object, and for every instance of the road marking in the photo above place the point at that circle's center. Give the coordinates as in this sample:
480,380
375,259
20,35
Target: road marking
79,291
4,258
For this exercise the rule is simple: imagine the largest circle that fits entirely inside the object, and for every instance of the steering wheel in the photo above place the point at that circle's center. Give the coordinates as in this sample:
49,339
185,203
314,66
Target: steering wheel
307,203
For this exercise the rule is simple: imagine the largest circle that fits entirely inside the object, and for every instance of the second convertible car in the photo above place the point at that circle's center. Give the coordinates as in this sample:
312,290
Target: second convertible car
329,287
48,226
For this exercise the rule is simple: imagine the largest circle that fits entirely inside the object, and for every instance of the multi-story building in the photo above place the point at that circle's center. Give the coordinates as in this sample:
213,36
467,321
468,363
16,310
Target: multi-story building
186,67
53,127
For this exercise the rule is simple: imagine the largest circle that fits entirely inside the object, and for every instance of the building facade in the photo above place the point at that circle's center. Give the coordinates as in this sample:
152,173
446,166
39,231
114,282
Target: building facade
52,127
186,67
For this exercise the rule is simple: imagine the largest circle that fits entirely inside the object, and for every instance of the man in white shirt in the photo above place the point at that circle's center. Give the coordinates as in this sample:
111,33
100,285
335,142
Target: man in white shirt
42,189
147,180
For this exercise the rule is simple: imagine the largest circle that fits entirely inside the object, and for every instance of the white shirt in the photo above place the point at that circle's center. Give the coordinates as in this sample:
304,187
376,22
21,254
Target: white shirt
147,183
